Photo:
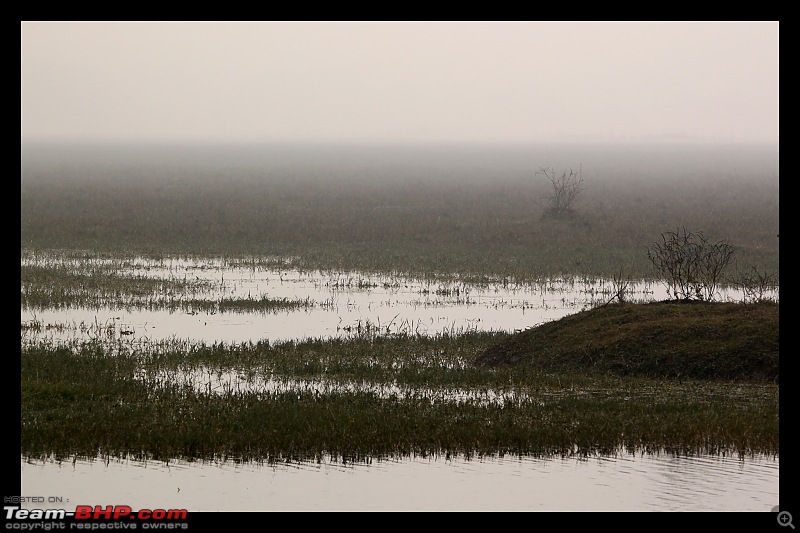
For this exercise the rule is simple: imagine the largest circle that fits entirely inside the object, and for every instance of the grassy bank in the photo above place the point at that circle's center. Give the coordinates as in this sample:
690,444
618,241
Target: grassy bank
660,339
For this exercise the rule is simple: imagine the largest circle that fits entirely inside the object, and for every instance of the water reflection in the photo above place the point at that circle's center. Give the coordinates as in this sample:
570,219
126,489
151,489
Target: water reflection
626,482
214,381
336,304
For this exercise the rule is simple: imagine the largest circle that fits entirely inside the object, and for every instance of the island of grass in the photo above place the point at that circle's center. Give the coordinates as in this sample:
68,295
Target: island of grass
667,339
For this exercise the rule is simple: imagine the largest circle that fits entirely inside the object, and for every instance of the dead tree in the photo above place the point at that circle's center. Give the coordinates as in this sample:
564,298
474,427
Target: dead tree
566,189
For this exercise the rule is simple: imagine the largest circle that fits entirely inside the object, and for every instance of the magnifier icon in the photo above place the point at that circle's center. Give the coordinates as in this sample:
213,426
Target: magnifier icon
785,519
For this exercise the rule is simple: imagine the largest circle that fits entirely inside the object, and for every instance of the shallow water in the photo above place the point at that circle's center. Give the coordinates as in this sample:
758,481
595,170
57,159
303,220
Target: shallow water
627,482
346,304
340,304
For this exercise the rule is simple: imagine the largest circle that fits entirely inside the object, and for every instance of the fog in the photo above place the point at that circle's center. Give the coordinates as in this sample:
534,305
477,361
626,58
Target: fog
396,163
381,82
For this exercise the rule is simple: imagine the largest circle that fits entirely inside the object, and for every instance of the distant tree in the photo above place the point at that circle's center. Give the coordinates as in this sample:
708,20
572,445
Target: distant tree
689,264
566,189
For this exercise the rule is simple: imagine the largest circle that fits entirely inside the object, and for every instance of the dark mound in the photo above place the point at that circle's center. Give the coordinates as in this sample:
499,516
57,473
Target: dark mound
702,340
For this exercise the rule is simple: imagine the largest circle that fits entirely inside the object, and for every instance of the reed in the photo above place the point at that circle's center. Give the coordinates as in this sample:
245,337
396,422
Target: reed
366,398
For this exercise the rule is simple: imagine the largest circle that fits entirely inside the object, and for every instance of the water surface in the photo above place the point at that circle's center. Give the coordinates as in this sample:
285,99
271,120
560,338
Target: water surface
627,482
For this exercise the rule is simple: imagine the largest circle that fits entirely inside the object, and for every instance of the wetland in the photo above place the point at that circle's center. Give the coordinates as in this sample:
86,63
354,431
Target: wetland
333,309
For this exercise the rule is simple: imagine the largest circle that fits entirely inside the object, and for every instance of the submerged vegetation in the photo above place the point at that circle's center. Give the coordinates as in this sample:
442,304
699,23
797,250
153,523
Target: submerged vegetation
100,232
367,398
679,377
55,283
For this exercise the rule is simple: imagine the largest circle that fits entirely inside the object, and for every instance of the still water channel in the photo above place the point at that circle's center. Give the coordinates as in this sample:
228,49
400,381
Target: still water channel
627,482
342,304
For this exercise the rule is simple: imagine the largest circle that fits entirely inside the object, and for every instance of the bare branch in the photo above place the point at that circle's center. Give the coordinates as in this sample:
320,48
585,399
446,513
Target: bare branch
689,265
566,189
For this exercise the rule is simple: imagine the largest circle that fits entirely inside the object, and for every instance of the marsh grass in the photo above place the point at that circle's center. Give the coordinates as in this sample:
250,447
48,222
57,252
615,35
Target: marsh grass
380,391
455,218
55,285
95,399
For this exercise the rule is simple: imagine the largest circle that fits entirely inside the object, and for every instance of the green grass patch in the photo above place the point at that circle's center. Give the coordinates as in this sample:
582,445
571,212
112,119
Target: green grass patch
106,400
661,339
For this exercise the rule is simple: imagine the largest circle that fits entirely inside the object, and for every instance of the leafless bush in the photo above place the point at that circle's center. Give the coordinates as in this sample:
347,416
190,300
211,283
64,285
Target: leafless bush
566,189
620,286
756,286
689,264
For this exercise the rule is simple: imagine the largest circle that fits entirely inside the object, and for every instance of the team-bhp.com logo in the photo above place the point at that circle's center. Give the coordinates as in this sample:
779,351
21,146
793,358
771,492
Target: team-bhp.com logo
95,517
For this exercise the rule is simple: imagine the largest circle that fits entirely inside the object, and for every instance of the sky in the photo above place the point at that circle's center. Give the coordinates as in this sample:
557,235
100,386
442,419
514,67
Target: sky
416,82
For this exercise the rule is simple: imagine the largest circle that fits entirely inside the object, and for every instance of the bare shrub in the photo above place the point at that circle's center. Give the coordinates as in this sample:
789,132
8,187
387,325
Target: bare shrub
620,287
756,286
566,189
689,264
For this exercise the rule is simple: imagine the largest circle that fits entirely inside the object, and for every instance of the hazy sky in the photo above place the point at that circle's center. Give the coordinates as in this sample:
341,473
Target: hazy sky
383,81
